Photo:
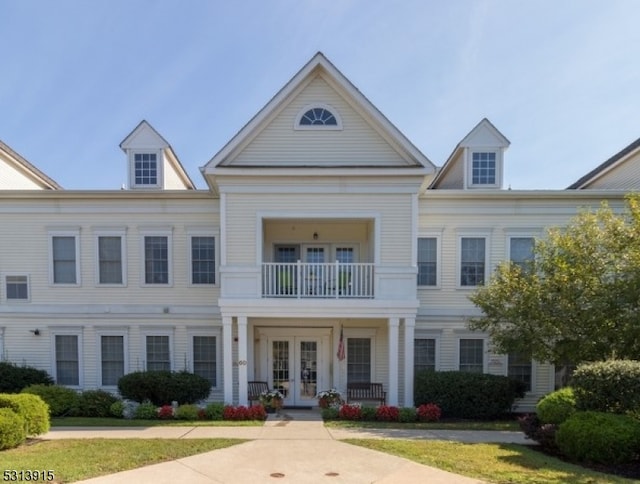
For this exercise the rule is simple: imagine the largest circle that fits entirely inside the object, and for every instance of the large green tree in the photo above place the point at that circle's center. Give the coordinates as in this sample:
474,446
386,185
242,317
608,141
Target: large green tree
578,299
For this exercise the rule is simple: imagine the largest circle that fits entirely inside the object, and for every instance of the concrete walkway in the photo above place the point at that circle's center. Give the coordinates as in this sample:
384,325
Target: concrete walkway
293,447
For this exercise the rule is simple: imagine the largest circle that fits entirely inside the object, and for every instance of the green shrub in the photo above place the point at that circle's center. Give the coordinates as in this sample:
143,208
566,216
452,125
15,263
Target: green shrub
408,414
607,386
556,407
61,400
12,429
164,387
31,408
146,411
601,438
462,394
117,409
95,403
214,411
187,412
330,413
14,378
368,414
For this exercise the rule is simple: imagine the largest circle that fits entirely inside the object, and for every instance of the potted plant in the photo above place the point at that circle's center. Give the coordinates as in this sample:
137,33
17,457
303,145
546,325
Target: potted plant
271,400
329,398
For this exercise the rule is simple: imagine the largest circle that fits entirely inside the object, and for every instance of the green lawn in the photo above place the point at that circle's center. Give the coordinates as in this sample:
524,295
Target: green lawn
445,425
121,422
77,459
497,463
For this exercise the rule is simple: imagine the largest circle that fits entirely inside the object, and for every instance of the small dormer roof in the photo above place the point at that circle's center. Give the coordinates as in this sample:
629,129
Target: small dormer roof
483,135
144,136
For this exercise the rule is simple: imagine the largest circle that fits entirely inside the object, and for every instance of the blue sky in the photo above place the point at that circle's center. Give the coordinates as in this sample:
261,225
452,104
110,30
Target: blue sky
560,79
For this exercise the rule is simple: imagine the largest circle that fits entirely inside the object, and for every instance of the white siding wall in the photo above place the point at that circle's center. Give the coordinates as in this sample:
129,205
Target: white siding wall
12,179
624,177
356,144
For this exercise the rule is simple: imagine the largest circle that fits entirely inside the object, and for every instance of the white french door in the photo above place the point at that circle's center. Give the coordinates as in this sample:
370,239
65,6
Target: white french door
297,365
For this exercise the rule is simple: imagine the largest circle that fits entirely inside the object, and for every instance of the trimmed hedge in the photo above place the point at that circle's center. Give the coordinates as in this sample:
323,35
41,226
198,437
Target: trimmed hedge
556,407
62,401
14,378
462,394
607,386
164,387
601,438
12,429
31,408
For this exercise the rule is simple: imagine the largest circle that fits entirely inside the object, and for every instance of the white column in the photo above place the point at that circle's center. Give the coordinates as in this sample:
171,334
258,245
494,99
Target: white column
243,362
227,362
409,334
392,393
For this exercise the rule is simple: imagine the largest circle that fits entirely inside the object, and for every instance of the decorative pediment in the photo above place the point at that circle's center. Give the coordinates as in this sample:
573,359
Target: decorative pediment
319,120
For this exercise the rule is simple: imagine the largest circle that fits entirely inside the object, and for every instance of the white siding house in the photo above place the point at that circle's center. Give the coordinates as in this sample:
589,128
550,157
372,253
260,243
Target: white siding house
321,221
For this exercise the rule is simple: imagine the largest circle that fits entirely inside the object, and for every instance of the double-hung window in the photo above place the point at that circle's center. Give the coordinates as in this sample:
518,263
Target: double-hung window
112,358
203,259
358,360
110,249
158,352
424,354
67,359
64,247
17,287
520,368
157,249
205,354
471,355
473,253
427,261
521,251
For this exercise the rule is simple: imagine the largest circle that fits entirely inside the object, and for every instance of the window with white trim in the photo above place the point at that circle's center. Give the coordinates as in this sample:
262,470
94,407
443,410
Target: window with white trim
110,259
67,359
473,263
427,261
112,358
519,367
471,355
358,360
145,170
205,357
157,249
424,354
64,258
484,168
203,259
17,287
521,250
158,352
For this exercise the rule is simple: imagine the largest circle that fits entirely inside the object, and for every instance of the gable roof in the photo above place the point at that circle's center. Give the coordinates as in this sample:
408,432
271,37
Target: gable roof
25,170
612,163
144,131
482,133
319,64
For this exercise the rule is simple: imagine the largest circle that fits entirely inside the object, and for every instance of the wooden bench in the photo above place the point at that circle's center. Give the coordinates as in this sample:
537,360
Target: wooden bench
255,388
366,391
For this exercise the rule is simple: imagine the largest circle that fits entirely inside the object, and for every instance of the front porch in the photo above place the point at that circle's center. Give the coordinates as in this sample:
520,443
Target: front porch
299,356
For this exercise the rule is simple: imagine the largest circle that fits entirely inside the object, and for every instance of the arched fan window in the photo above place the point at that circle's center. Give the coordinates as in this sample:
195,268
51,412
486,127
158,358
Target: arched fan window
318,116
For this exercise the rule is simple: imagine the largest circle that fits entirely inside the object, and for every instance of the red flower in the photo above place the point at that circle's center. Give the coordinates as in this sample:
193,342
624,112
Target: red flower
387,413
350,412
165,412
429,412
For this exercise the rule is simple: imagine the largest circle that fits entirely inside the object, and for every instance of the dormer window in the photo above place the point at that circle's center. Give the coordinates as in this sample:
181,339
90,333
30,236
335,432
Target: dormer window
146,169
484,170
318,116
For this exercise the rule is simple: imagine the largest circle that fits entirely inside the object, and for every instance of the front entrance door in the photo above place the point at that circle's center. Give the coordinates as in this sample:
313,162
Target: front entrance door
297,365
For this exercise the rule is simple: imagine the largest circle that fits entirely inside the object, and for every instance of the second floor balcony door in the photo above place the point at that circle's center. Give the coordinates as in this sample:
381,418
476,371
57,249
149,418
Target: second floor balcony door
315,277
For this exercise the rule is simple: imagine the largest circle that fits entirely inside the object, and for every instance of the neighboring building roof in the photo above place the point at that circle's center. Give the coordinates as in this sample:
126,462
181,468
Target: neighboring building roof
171,156
25,170
320,64
608,166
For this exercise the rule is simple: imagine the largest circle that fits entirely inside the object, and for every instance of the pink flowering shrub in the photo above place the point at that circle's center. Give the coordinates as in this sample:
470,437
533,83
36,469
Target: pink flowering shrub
350,412
429,412
387,413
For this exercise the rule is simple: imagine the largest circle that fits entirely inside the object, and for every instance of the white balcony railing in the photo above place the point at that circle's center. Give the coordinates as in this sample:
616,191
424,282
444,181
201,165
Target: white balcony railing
314,280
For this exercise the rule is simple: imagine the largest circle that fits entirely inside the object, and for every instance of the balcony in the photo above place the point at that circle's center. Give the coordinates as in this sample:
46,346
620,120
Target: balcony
334,280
